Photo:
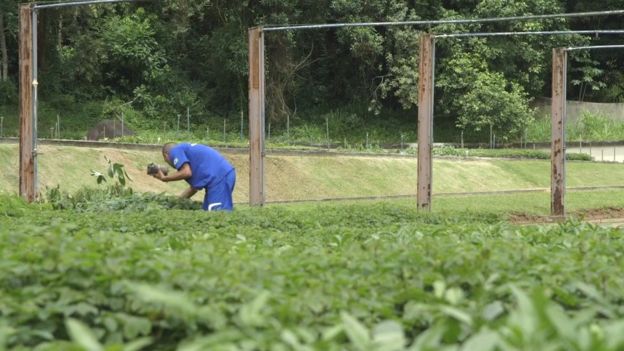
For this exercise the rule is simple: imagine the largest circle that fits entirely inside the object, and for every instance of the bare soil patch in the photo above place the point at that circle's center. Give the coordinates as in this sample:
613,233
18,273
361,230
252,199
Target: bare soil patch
612,215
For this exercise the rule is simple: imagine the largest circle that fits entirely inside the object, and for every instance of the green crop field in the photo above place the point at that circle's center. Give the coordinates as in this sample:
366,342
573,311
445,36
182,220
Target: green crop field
349,276
106,268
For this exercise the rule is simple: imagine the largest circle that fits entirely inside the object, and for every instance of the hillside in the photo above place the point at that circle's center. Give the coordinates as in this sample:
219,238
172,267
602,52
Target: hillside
305,177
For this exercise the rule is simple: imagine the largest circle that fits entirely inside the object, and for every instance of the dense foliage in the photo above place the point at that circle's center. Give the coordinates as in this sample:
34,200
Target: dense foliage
330,277
153,60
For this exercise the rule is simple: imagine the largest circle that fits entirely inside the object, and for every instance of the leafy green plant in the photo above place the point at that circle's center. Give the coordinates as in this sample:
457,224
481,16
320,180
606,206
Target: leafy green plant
116,172
331,277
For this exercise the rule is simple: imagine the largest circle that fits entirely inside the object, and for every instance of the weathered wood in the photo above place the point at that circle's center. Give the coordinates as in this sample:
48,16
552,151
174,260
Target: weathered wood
558,111
425,121
27,157
256,117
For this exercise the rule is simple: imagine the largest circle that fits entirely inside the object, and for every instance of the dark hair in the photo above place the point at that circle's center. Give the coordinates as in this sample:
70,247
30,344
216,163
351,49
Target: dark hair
167,147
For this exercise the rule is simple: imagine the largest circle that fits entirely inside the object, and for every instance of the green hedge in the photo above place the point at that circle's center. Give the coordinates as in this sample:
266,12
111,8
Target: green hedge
505,153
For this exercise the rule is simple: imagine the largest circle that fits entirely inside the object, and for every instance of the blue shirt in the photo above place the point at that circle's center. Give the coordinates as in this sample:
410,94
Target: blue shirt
207,165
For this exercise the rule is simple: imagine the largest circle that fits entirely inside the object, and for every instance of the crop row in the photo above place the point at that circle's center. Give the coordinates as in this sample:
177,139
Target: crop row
315,277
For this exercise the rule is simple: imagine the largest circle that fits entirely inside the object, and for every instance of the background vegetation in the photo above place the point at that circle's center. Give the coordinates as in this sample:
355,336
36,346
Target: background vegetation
154,61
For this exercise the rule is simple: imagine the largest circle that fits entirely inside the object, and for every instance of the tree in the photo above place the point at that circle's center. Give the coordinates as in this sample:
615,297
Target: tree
482,99
8,43
4,57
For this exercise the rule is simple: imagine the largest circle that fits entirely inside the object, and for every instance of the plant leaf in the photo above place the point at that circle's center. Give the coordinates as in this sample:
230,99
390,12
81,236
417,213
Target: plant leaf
82,335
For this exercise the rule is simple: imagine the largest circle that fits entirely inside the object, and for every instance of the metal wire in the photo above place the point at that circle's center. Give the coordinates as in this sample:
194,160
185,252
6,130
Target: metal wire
547,32
449,194
38,6
594,47
275,28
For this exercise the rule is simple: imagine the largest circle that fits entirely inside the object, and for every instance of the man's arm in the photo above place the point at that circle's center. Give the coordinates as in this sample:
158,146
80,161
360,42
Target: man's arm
184,173
186,194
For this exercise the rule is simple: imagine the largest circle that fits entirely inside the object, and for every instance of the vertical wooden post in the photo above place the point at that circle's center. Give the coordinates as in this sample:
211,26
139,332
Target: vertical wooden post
27,156
558,111
256,116
425,120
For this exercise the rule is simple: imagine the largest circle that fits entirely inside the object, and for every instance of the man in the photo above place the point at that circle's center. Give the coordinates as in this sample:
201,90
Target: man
203,168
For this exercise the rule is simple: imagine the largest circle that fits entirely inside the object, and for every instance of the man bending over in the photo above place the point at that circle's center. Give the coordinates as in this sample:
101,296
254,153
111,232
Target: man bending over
203,168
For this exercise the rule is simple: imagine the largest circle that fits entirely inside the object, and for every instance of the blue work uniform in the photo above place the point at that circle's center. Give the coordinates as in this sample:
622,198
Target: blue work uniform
211,171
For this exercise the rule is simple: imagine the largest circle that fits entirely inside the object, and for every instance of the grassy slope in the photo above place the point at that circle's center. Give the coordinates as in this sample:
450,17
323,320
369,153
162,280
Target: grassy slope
314,177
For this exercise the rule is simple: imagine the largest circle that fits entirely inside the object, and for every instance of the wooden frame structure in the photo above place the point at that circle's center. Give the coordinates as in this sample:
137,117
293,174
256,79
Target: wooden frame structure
425,100
558,117
558,120
425,121
28,84
256,116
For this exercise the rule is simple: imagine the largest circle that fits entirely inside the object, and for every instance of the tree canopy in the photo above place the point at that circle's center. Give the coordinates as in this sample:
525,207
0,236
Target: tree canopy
164,56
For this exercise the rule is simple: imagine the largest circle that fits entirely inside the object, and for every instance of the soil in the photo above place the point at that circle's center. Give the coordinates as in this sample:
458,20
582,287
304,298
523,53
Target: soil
613,216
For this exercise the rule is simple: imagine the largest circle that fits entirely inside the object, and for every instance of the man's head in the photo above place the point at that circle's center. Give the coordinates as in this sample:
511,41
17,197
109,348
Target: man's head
166,149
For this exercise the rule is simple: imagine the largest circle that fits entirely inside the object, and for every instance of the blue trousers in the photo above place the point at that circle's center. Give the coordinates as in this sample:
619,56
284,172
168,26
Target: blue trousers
219,196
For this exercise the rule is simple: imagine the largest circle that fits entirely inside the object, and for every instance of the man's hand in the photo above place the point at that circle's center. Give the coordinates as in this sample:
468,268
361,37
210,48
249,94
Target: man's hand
184,173
159,175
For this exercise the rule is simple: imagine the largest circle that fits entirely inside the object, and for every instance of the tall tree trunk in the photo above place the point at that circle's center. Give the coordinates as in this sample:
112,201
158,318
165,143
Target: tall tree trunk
4,57
59,39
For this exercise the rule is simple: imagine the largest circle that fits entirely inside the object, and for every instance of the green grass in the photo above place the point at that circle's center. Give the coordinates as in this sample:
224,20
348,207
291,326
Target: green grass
588,128
313,177
526,203
499,206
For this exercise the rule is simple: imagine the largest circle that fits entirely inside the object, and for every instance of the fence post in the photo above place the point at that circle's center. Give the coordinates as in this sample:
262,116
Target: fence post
525,138
558,111
327,131
425,121
27,143
256,116
590,149
580,146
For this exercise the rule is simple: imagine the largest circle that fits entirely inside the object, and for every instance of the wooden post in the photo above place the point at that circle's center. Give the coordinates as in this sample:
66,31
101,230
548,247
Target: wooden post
256,116
425,120
27,155
558,111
